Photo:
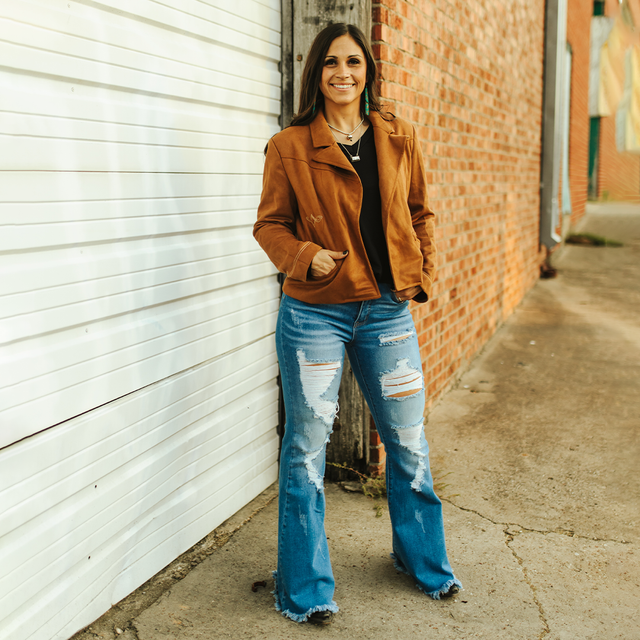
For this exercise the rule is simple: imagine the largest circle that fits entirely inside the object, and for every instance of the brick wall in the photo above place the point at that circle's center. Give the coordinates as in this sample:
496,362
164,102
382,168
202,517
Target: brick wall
618,173
579,14
468,74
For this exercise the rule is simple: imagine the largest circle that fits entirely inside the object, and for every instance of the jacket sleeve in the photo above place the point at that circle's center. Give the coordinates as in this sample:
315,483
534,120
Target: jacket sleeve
276,225
423,219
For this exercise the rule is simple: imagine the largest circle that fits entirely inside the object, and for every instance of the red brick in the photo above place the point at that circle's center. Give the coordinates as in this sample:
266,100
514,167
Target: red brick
469,76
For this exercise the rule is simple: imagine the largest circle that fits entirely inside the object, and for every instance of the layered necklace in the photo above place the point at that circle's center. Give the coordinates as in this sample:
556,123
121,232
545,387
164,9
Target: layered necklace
349,136
355,158
344,133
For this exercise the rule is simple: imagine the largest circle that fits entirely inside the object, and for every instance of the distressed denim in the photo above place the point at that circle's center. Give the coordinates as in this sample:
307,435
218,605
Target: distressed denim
380,338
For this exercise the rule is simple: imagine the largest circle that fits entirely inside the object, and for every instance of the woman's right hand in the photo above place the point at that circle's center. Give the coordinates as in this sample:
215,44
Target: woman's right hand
324,262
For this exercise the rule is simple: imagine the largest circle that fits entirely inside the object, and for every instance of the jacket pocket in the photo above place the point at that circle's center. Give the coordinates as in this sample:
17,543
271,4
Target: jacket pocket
328,276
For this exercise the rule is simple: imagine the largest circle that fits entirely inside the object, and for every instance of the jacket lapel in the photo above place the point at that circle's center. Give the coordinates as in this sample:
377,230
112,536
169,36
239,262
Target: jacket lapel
389,149
326,149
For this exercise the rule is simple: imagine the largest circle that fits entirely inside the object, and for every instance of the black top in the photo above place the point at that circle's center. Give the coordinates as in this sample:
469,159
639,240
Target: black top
371,211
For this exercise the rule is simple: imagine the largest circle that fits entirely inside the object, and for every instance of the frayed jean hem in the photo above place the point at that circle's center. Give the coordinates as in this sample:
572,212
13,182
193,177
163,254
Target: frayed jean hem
398,565
437,595
299,617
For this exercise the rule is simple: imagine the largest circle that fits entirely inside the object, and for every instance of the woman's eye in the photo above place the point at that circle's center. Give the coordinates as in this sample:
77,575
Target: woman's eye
329,63
354,61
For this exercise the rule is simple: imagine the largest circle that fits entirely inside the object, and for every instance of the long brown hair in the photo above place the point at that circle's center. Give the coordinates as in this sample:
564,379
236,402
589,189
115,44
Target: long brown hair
311,98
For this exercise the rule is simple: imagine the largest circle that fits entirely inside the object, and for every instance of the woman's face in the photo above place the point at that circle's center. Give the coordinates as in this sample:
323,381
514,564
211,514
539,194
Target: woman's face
344,74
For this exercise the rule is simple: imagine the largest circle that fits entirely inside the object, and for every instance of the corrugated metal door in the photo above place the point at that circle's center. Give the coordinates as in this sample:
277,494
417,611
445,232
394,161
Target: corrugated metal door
138,397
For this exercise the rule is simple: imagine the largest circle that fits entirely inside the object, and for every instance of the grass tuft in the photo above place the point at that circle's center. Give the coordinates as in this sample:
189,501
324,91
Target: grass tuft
591,239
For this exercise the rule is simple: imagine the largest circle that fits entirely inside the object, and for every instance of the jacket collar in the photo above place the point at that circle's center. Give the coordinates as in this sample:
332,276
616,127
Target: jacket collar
390,148
326,148
322,137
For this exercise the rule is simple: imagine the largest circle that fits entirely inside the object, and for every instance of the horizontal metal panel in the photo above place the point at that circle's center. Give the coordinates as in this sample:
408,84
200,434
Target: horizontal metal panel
77,587
90,196
53,309
39,553
117,50
83,369
27,470
128,469
63,104
46,154
55,234
191,256
136,310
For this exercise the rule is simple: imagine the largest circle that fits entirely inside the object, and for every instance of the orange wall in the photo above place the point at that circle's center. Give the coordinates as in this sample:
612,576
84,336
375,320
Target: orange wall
468,74
579,14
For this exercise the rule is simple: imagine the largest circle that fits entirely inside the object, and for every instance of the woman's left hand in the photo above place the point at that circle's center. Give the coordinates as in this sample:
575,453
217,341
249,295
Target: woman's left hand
408,294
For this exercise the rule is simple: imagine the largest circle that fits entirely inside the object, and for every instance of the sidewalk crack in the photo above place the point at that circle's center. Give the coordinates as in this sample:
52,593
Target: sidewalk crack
562,532
534,591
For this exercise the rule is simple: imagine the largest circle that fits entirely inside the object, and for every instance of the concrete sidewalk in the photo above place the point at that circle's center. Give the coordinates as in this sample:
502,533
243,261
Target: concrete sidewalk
539,446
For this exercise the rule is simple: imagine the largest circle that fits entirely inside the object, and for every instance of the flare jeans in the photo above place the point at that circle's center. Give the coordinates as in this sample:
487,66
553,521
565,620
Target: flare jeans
380,338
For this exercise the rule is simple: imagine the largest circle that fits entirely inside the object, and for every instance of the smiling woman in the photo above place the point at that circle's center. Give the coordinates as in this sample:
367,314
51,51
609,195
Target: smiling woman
344,214
344,77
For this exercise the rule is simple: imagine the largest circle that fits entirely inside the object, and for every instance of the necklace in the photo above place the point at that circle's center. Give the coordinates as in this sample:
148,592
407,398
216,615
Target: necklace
355,158
344,133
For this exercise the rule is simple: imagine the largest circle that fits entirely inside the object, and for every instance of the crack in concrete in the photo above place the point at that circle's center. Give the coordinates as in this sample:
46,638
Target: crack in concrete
563,532
510,535
534,592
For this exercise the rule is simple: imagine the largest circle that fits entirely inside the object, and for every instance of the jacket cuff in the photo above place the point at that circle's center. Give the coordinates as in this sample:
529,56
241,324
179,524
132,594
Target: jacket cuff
426,285
303,261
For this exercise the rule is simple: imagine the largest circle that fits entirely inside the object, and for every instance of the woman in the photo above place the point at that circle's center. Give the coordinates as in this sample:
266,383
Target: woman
344,215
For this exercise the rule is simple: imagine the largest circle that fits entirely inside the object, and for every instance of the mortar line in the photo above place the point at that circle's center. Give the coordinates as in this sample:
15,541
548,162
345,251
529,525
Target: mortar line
562,532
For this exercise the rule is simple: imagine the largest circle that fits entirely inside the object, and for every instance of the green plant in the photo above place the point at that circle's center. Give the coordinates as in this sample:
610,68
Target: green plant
375,487
439,486
591,239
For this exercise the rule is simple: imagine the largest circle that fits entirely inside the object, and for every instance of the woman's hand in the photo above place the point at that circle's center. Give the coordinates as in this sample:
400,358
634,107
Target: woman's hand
324,262
408,294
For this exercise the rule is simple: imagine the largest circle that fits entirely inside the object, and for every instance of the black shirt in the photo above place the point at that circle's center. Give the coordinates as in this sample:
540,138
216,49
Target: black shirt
371,211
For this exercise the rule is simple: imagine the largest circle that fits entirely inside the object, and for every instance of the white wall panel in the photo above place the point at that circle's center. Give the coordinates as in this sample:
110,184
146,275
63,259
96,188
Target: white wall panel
138,396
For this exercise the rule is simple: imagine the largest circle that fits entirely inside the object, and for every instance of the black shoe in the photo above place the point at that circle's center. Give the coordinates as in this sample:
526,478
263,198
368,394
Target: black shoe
320,617
454,589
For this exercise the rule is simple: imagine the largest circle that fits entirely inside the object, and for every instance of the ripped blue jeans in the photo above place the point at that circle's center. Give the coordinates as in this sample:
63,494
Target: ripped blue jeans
380,338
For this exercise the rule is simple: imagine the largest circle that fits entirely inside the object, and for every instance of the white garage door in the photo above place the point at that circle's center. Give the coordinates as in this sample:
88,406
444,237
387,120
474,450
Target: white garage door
138,397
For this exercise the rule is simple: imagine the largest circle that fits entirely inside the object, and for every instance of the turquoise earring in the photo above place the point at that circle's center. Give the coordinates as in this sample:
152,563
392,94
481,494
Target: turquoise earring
314,107
366,101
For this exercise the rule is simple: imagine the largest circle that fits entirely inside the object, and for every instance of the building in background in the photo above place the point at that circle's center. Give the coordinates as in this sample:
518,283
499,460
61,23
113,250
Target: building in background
613,97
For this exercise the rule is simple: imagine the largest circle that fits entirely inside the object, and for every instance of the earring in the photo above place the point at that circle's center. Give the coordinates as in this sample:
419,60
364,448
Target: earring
314,107
366,101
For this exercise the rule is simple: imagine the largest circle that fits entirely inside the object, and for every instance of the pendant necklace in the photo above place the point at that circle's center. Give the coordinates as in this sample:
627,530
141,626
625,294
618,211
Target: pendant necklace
355,158
344,133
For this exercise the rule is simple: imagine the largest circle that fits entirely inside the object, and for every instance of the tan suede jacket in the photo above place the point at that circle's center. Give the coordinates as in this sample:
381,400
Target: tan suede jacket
311,200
